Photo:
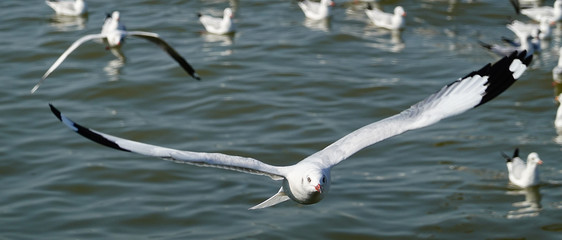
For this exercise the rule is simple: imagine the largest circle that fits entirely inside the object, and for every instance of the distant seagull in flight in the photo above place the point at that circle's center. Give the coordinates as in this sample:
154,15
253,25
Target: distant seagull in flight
308,181
113,34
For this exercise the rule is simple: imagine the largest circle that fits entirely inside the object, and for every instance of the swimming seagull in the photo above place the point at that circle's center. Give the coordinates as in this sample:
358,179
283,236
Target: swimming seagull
552,14
521,174
113,34
68,7
308,181
217,25
389,21
316,10
557,70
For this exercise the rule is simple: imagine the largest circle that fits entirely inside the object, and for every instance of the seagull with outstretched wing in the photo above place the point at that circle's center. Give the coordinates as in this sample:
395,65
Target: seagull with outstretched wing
113,34
308,181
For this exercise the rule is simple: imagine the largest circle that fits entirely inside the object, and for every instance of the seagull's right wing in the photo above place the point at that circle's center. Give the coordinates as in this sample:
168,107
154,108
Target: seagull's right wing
65,54
217,160
455,98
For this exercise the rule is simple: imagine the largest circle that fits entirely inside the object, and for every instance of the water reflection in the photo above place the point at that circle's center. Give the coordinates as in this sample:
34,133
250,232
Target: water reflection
393,44
113,67
322,25
68,23
531,207
224,40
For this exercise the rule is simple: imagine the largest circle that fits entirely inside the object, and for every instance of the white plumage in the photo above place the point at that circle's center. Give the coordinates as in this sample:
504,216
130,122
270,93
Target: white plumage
308,181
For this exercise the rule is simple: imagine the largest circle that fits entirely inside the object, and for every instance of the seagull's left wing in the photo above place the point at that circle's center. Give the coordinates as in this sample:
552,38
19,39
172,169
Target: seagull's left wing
459,96
217,160
155,38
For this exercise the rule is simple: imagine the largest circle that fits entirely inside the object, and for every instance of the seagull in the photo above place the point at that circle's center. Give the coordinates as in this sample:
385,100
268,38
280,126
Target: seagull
521,174
316,10
69,7
216,25
558,119
552,14
540,31
523,30
386,20
526,44
557,70
308,181
113,33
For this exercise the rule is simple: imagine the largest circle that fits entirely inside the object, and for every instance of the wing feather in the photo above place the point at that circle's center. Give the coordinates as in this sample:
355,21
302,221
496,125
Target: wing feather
217,160
65,54
461,95
155,38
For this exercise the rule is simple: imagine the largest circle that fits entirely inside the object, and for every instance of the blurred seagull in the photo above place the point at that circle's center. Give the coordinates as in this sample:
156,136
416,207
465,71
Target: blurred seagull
389,21
557,70
316,10
216,25
113,34
308,181
521,174
552,14
526,44
68,7
558,119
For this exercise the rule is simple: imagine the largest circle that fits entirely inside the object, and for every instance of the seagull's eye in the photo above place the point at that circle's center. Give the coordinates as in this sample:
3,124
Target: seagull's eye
308,179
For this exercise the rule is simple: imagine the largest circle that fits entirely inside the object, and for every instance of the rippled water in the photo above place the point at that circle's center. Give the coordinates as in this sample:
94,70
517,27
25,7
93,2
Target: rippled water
278,90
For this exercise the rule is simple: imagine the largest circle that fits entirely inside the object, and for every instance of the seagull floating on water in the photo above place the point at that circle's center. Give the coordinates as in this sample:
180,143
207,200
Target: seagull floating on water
521,174
113,34
217,25
557,70
69,7
551,14
316,10
391,21
308,181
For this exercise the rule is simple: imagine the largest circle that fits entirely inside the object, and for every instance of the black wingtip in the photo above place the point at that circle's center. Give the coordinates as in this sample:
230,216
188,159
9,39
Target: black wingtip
85,132
369,7
516,153
199,15
485,45
500,76
507,157
55,111
516,6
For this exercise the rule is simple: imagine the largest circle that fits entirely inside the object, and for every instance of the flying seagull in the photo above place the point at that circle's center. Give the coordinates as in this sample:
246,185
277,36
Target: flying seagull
113,34
308,181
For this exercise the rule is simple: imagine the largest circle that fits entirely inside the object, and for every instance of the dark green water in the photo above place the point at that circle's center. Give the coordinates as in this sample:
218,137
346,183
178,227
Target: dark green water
280,89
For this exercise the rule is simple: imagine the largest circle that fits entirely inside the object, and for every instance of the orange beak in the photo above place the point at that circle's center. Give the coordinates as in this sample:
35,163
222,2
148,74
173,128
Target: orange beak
539,162
332,3
318,188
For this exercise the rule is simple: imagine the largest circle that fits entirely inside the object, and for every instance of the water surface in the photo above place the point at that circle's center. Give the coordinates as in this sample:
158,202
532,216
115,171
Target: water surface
278,90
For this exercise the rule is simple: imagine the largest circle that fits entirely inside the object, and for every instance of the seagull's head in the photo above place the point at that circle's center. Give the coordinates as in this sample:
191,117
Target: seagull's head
228,13
399,11
534,159
115,15
308,186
